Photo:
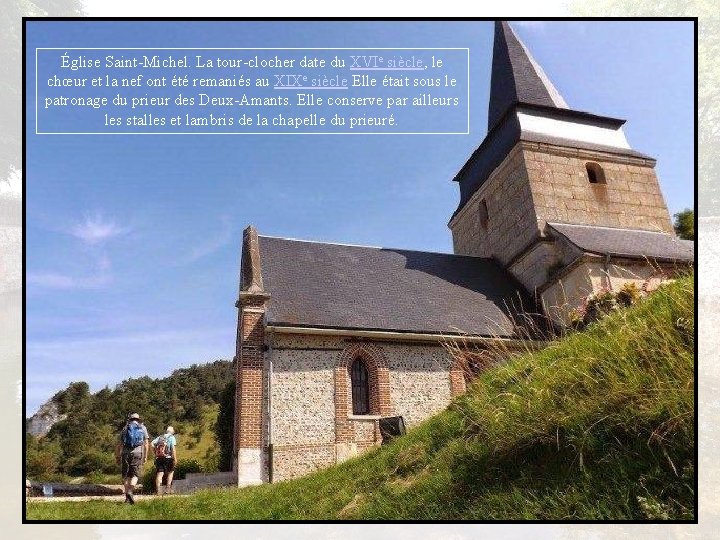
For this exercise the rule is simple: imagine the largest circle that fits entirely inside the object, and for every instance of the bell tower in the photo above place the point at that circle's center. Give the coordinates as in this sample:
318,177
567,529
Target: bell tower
542,163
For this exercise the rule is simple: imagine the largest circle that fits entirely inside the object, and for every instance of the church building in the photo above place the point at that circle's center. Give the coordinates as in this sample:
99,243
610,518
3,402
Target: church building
554,205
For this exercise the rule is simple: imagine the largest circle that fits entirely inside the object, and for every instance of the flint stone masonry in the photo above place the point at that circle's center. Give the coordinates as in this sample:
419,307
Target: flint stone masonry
303,394
297,460
419,381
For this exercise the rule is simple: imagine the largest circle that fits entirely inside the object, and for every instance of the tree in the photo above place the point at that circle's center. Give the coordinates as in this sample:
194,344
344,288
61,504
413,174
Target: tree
685,224
224,427
74,397
90,460
42,457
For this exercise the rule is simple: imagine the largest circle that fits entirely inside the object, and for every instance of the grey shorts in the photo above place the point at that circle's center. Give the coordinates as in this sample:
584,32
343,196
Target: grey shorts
131,464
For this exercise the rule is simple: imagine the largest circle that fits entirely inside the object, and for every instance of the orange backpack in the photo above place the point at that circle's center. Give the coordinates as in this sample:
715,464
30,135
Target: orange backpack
161,447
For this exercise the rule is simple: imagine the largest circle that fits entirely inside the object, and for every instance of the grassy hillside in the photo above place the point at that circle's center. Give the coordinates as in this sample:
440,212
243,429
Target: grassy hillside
599,425
196,440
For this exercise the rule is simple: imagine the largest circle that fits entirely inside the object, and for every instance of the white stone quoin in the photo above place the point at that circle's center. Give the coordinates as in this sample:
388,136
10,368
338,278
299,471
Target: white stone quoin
250,466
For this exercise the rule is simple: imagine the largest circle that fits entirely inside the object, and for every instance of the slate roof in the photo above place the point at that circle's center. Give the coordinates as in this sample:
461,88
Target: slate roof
339,286
516,77
626,242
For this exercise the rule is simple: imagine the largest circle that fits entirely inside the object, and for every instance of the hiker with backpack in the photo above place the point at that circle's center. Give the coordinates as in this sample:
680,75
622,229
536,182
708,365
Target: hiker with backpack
132,451
165,459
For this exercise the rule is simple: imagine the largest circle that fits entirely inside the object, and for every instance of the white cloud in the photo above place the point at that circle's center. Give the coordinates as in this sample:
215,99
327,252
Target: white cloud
213,243
96,229
53,280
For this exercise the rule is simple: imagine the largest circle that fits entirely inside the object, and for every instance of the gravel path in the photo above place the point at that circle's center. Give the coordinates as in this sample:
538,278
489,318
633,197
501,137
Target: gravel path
112,498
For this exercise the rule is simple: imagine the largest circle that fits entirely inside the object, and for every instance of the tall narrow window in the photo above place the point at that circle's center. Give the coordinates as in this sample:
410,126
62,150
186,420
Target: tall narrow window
483,214
595,173
360,387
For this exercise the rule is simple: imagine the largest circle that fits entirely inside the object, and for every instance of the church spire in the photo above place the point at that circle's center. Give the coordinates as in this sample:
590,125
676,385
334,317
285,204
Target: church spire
517,77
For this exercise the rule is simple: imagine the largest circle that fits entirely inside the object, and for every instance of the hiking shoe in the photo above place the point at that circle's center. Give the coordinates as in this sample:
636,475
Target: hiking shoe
130,498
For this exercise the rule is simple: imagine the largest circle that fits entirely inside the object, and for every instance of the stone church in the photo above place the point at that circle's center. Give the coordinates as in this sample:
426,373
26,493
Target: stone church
554,204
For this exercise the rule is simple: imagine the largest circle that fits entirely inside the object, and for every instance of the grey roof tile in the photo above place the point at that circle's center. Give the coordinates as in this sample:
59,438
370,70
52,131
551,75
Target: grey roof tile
626,242
340,286
517,77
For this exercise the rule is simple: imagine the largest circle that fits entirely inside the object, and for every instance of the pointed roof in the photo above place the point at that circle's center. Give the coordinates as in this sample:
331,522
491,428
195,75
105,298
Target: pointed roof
517,77
519,84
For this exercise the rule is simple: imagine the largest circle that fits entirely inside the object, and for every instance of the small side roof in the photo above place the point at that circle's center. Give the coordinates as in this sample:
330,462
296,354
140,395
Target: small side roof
323,285
632,243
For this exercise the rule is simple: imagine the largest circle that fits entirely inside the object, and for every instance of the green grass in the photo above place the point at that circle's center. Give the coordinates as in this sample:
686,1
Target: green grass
599,425
198,448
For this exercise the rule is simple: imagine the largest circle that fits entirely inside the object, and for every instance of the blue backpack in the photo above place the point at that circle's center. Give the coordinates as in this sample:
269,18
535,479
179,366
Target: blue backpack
134,435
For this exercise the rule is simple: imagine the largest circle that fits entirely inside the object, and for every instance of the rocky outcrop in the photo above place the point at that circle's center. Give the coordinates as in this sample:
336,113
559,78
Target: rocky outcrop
46,417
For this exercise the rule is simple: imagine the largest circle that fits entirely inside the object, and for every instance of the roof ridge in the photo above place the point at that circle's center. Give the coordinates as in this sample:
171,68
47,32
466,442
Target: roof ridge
318,241
552,223
373,247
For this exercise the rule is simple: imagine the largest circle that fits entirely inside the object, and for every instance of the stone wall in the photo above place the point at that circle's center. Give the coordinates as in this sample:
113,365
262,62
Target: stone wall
539,183
511,224
541,261
592,274
304,427
533,267
195,481
630,198
419,381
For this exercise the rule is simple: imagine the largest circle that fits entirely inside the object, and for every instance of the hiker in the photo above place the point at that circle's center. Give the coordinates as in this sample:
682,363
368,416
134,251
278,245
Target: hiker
132,451
165,459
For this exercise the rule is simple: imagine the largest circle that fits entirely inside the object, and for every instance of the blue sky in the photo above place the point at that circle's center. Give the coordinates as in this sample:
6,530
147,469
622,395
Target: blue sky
133,242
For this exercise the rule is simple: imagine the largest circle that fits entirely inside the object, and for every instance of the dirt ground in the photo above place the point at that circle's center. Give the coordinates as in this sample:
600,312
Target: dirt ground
116,498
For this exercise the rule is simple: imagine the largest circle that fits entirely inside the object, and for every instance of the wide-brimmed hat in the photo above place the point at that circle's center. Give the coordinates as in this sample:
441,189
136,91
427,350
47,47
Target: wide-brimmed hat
134,416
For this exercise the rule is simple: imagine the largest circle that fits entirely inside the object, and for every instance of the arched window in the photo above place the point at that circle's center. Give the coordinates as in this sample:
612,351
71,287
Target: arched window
595,173
360,387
